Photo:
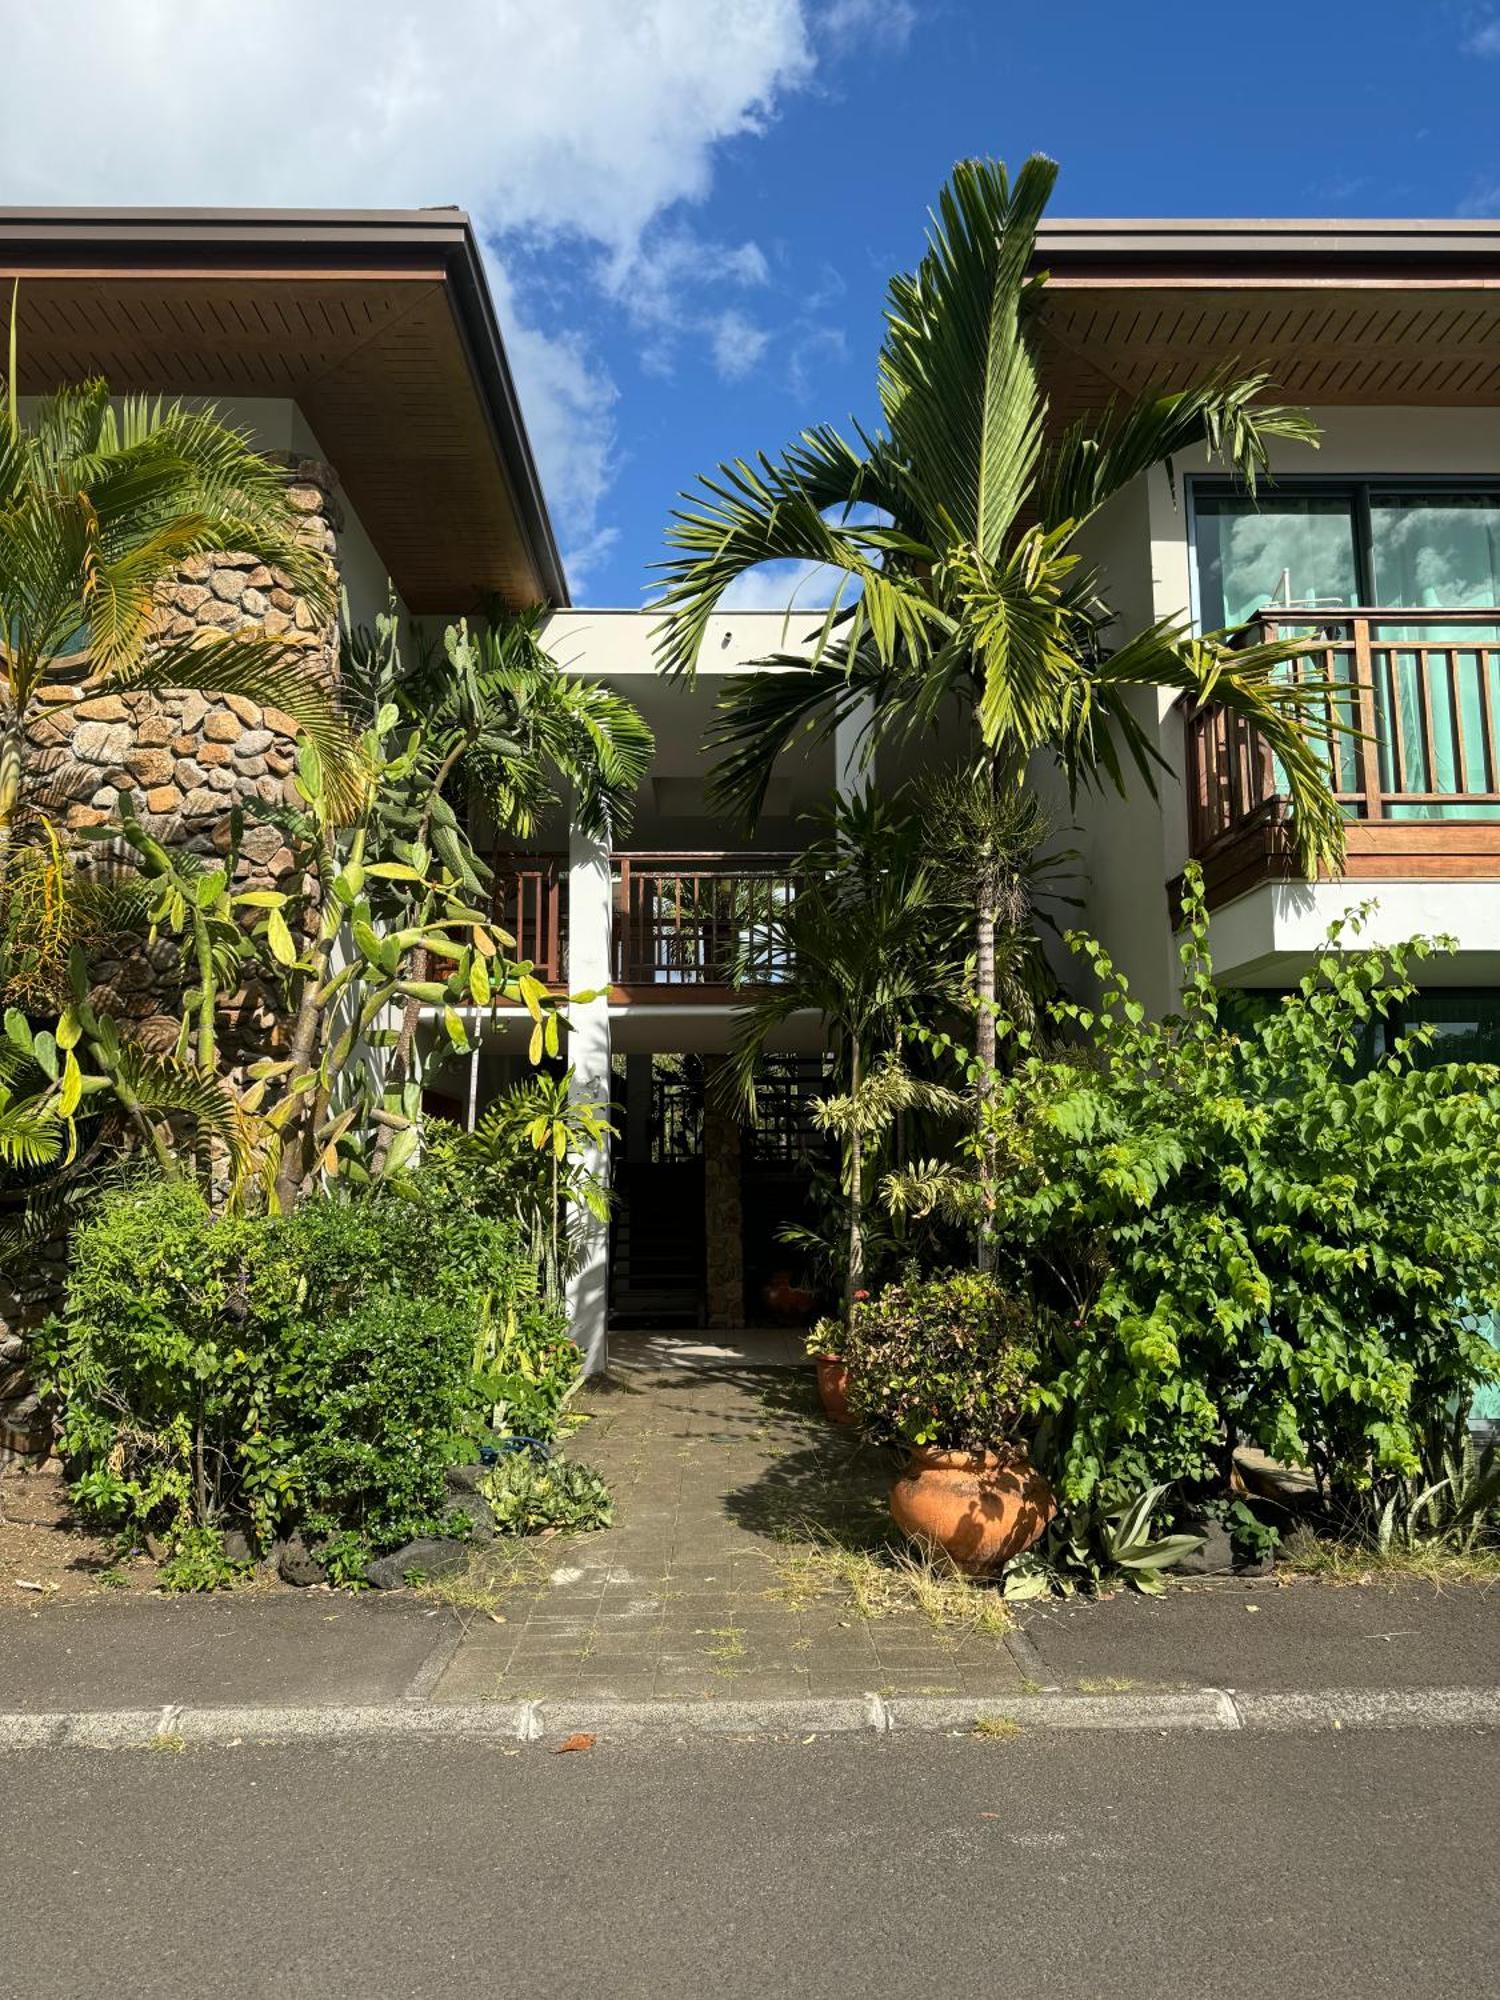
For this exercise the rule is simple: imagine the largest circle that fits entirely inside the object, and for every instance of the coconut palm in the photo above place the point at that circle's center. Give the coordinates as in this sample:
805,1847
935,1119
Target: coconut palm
101,504
954,530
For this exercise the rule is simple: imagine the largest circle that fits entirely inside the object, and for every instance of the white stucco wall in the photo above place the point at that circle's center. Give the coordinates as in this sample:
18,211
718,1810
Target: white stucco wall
1273,933
1122,839
602,643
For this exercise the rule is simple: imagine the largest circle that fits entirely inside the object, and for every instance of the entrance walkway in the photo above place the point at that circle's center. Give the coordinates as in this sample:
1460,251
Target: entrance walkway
740,1563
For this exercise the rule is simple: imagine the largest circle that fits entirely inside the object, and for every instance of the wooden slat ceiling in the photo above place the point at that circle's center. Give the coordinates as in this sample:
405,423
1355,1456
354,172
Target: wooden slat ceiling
1321,344
378,363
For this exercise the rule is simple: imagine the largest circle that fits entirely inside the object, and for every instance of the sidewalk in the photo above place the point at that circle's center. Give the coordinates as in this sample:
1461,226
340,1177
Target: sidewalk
722,1587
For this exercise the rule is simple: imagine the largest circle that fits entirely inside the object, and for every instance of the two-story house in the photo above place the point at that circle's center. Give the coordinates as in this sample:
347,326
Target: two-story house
366,347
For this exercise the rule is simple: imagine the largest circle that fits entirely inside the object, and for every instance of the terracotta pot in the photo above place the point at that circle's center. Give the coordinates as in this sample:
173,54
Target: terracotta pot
833,1387
983,1507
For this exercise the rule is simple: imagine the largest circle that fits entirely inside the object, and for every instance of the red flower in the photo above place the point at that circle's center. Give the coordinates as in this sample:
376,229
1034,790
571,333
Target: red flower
861,1295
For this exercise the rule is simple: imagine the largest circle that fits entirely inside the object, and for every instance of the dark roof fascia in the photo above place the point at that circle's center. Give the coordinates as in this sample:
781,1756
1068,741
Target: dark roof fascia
1243,250
295,239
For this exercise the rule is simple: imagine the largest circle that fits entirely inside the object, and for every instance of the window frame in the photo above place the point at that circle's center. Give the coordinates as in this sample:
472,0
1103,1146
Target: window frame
1355,486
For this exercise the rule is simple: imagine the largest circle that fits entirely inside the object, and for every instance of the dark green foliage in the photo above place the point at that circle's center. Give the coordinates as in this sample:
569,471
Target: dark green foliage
321,1369
1254,1235
943,1361
528,1494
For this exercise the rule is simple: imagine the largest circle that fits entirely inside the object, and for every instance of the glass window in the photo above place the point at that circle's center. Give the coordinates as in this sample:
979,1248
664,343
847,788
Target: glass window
1290,549
1465,1024
1439,549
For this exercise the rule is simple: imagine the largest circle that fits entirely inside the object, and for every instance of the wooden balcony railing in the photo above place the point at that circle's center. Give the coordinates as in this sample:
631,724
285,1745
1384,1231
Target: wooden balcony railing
531,902
700,920
684,924
1417,696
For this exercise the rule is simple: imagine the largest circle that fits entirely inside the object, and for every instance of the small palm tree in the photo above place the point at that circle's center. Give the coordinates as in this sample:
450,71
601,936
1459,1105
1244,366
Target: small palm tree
858,947
955,532
505,728
101,503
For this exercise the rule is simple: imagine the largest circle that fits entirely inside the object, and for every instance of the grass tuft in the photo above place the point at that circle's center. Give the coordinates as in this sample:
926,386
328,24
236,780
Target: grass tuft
1303,1553
877,1579
493,1573
997,1728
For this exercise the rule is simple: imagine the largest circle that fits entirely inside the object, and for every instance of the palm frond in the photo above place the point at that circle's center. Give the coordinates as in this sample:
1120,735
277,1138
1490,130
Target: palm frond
957,379
1224,415
753,513
1296,720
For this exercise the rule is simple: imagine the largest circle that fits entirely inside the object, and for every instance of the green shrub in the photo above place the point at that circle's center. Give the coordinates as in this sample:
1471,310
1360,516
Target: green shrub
529,1494
320,1370
168,1383
1266,1234
944,1361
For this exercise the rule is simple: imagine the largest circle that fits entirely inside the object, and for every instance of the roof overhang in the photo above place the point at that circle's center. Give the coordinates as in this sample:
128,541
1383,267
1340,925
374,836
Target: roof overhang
1402,312
379,324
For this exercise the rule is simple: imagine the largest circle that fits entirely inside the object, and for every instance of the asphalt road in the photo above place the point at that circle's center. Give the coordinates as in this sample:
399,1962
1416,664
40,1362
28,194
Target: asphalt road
1349,1863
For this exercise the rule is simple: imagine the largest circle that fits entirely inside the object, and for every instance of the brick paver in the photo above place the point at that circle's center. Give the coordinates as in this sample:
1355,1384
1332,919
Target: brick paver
719,1475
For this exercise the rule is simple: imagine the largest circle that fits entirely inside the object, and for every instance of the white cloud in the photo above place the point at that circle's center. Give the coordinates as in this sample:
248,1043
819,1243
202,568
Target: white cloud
549,120
664,286
1481,202
738,343
1485,39
875,25
785,586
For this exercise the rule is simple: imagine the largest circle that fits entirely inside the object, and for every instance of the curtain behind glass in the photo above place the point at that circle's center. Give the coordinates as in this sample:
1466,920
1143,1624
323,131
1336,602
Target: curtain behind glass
1443,550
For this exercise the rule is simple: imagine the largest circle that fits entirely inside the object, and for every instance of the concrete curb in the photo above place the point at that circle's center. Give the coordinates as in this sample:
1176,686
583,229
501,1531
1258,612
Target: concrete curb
546,1723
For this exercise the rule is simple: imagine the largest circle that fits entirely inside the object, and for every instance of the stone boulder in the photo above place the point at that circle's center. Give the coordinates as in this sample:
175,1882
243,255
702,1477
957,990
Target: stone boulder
296,1563
428,1556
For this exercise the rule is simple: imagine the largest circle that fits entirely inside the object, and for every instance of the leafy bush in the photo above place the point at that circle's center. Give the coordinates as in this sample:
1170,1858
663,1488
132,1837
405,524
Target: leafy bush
528,1494
321,1369
1271,1233
200,1561
944,1361
166,1381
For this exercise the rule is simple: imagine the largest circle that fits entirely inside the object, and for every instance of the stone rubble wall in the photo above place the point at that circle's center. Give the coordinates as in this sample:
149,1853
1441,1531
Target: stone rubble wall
187,758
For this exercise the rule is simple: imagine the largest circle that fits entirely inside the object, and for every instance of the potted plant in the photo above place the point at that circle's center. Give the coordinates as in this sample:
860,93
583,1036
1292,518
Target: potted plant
833,1371
941,1367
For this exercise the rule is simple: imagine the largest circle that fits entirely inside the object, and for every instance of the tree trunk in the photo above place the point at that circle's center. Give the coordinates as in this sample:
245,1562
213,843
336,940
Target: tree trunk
297,1141
856,1268
984,1050
12,772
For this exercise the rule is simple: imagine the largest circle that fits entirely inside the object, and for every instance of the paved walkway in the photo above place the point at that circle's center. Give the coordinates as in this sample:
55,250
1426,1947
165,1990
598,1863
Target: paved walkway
729,1484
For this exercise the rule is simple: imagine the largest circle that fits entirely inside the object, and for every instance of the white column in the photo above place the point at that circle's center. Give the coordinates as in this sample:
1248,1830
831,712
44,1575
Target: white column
590,949
853,753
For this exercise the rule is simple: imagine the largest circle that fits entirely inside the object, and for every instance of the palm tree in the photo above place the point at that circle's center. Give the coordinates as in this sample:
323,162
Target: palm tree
101,503
985,845
857,946
506,729
954,531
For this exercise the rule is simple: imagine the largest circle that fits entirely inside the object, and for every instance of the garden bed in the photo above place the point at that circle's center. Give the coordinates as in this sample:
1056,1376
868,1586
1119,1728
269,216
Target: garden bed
46,1555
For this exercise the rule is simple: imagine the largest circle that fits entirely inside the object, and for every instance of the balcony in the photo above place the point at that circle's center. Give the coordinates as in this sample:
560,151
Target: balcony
683,924
1419,779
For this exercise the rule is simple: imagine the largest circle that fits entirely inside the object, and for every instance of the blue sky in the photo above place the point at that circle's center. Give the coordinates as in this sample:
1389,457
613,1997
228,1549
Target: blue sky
691,207
1388,108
